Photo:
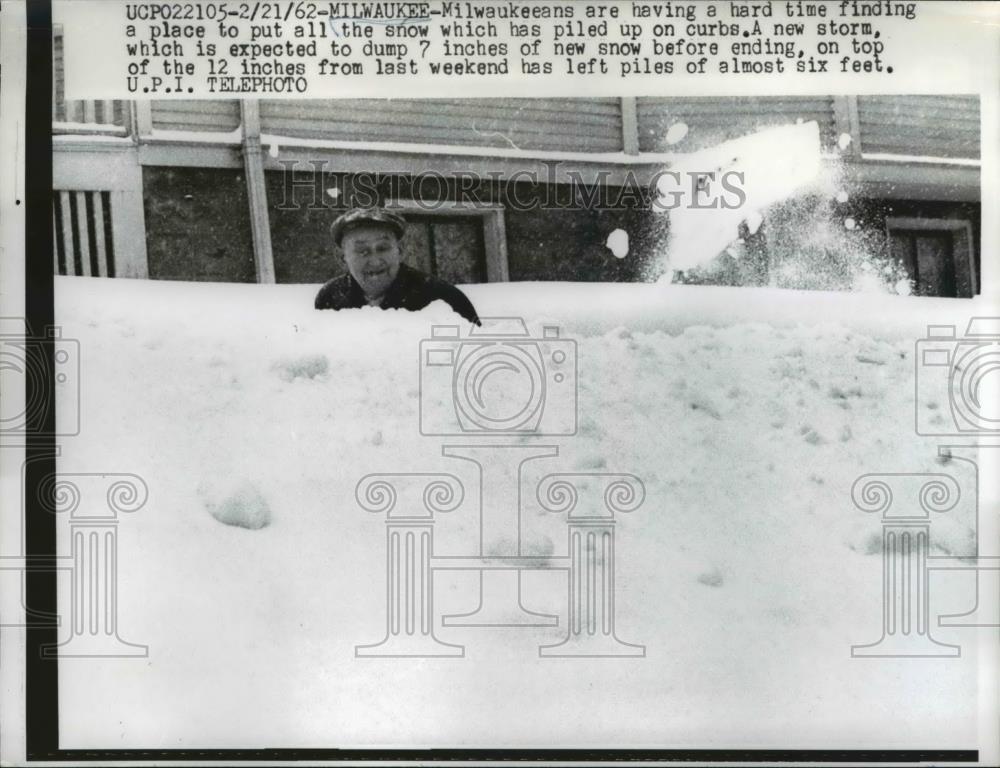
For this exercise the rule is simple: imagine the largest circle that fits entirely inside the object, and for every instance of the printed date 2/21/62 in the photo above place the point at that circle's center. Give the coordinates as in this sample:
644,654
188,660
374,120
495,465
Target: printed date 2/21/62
300,10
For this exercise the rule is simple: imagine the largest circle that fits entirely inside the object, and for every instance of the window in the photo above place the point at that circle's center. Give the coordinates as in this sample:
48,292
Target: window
450,247
938,254
456,244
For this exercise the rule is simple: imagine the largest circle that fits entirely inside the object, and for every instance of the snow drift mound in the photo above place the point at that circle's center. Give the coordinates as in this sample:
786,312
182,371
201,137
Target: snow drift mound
747,573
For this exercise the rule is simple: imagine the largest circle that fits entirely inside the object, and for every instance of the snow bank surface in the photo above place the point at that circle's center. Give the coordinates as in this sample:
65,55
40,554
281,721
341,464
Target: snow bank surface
252,574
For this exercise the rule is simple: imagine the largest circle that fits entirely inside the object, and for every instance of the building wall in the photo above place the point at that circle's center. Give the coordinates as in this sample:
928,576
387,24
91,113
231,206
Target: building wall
557,241
198,225
712,120
584,124
909,155
934,126
946,126
816,242
877,213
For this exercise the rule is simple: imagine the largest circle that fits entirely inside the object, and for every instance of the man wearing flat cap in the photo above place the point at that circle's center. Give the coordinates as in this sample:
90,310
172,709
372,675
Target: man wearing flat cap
369,240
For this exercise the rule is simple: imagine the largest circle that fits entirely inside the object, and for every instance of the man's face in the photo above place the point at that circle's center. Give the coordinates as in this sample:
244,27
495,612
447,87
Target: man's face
372,255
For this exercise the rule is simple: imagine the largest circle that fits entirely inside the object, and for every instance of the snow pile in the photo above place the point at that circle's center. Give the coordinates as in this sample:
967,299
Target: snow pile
242,506
308,367
747,573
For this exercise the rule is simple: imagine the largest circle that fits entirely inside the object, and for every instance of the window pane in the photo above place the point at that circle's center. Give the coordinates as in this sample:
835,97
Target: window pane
416,245
459,254
935,265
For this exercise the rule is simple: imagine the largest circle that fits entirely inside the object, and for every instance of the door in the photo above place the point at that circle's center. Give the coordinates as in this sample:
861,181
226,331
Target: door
929,258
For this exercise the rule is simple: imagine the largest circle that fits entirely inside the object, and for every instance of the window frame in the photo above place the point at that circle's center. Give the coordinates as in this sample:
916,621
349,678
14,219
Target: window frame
494,228
953,228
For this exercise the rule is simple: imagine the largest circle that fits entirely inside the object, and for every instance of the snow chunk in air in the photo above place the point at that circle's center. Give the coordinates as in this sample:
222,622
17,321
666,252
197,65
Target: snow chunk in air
676,133
617,243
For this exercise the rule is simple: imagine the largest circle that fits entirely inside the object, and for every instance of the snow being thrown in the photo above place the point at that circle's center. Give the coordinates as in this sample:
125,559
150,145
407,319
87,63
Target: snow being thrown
794,228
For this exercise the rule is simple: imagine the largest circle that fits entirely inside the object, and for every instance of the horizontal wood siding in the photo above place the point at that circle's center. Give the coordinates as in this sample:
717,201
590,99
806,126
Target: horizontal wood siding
711,120
935,126
581,125
211,116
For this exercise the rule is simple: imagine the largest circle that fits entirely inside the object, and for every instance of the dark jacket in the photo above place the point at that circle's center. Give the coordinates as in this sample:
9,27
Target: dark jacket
411,290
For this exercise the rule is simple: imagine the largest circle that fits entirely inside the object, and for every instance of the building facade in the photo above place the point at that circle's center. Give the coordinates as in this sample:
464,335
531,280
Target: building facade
494,189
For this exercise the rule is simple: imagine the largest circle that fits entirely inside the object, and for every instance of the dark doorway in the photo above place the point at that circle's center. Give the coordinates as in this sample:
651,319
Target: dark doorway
929,258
